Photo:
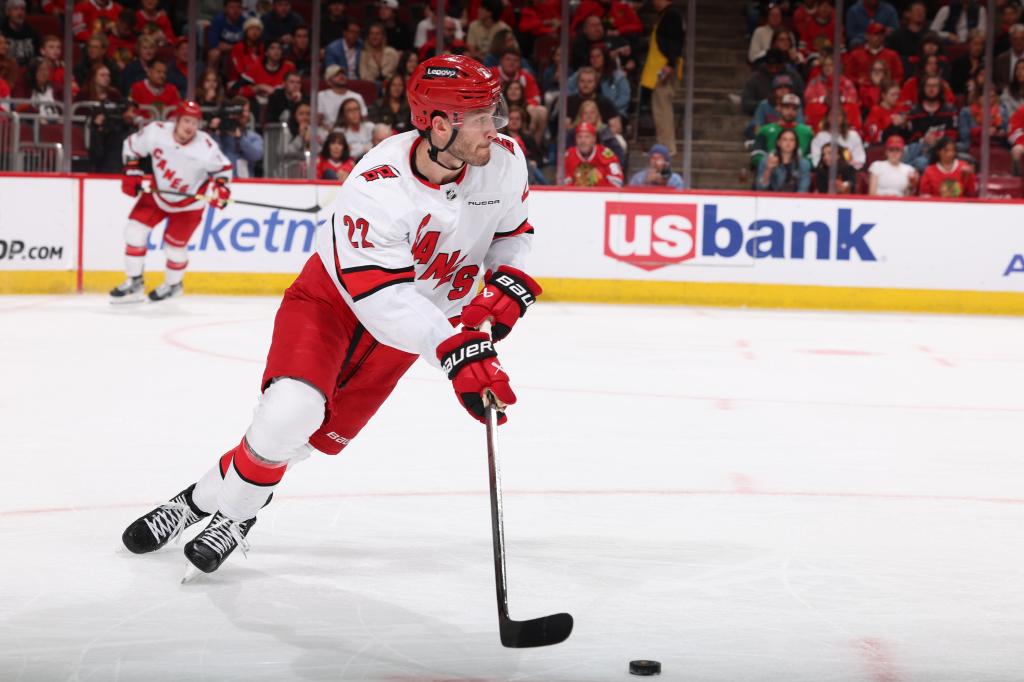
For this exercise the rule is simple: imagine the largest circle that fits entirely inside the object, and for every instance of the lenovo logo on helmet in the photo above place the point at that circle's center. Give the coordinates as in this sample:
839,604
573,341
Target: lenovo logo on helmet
441,72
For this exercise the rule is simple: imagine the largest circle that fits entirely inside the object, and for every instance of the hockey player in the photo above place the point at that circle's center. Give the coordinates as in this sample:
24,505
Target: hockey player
185,161
422,217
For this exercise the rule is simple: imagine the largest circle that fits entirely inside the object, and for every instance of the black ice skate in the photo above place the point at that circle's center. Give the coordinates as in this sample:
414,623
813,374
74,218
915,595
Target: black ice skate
154,530
208,550
166,291
129,291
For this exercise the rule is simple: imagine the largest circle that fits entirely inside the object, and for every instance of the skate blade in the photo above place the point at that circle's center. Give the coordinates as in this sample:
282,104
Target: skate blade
158,301
127,300
191,573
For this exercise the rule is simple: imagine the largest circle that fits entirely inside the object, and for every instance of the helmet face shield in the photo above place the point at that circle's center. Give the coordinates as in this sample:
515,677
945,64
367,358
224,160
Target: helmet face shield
495,115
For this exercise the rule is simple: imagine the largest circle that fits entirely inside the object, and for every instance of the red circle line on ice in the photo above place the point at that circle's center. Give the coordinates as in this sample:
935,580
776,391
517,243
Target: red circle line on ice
172,337
615,492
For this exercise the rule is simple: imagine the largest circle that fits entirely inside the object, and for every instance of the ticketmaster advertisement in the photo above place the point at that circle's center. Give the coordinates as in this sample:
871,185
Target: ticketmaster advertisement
235,239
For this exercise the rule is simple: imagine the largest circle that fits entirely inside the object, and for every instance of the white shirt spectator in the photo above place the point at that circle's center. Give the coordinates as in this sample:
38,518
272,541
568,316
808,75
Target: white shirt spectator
46,104
760,42
893,180
962,31
852,143
328,103
360,140
426,28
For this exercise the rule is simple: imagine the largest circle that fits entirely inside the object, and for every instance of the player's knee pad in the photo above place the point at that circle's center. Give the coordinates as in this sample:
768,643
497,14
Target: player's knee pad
175,254
135,233
289,412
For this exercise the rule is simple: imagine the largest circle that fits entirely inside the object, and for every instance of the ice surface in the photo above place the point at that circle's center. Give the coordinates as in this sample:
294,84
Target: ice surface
742,495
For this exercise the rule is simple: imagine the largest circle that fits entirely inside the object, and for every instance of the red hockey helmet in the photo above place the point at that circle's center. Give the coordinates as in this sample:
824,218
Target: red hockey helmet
188,107
461,88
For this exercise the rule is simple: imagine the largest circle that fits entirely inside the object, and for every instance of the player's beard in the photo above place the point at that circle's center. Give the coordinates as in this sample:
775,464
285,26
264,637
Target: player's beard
475,154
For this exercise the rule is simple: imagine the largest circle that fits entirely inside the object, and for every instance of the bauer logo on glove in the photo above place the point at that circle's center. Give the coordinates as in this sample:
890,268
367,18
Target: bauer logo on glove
471,363
505,298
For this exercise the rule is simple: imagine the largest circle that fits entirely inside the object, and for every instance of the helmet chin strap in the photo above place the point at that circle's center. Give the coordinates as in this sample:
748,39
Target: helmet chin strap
433,150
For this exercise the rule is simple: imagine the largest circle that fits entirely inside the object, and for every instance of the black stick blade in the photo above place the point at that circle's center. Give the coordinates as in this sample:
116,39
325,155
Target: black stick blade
522,634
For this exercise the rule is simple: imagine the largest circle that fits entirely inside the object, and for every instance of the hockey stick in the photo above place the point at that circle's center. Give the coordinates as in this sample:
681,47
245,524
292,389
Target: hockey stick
515,634
203,197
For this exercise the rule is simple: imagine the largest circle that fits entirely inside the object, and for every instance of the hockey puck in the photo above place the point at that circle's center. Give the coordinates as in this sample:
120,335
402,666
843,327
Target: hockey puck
644,668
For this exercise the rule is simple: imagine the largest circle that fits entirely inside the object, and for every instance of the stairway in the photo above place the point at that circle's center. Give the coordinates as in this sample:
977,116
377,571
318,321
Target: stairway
720,71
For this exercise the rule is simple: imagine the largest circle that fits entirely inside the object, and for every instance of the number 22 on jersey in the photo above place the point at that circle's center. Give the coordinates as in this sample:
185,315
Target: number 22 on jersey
362,226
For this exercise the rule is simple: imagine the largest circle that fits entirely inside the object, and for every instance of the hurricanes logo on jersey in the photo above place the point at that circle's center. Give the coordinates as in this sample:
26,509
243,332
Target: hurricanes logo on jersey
445,268
382,172
160,168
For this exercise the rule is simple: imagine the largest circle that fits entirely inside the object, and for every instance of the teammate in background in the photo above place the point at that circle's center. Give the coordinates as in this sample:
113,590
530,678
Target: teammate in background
590,164
421,218
185,161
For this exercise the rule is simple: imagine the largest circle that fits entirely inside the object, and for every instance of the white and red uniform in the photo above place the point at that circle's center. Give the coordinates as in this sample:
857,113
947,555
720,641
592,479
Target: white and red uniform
178,168
601,168
392,232
394,267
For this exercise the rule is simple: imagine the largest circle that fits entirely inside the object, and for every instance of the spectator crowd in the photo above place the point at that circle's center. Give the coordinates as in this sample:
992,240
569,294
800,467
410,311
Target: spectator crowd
911,96
253,75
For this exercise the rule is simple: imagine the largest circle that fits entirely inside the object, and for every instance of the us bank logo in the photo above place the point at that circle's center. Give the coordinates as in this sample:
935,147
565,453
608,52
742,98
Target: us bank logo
653,235
650,236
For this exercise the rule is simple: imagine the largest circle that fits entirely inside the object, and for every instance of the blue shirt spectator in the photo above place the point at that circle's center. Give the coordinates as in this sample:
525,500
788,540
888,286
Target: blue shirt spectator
345,51
240,143
862,13
658,172
227,27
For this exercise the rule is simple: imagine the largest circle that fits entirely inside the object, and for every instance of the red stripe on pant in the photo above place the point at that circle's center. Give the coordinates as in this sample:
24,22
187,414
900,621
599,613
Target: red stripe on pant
135,250
175,265
254,470
175,242
225,462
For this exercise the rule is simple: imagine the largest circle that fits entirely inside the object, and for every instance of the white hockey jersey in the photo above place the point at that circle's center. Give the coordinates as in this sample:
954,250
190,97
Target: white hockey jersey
407,254
176,167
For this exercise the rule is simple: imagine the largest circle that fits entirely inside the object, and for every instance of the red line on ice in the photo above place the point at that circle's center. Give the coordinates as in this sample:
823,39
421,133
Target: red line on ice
839,351
171,337
879,660
719,402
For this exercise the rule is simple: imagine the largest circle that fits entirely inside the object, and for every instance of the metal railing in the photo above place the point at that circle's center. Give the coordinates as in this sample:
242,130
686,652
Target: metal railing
278,160
42,157
9,127
26,156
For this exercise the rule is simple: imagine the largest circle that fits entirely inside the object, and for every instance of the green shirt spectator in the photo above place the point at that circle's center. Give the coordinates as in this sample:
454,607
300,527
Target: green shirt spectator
789,108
